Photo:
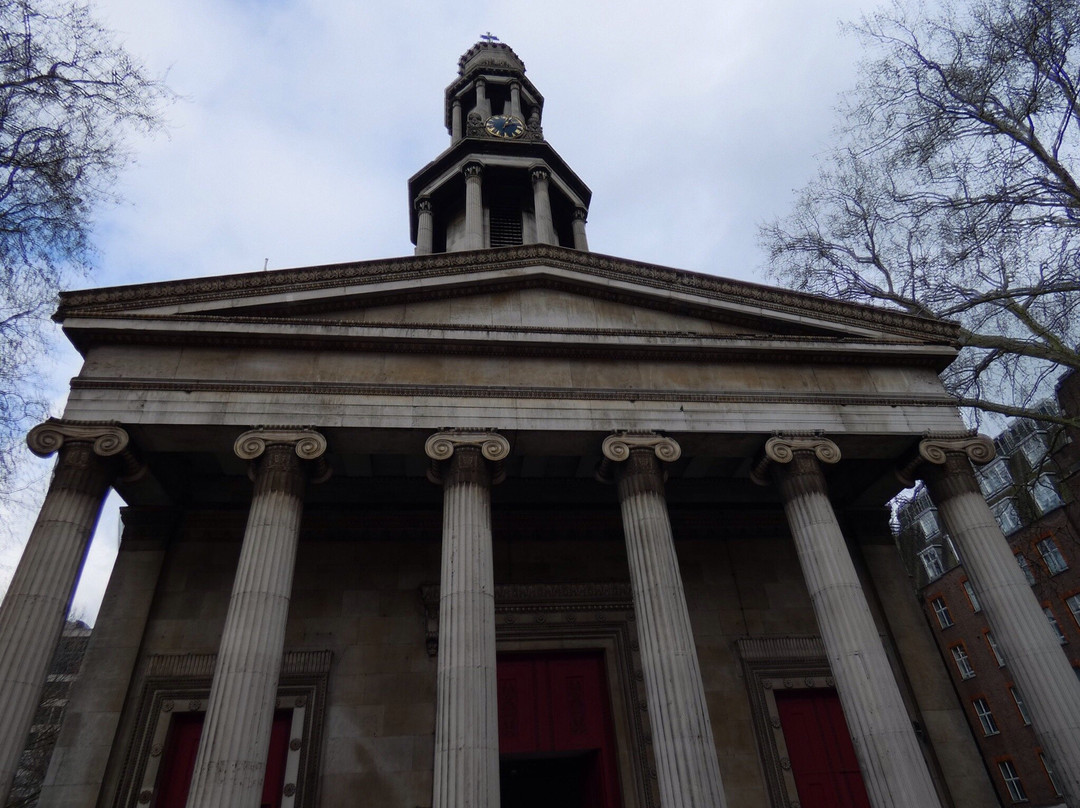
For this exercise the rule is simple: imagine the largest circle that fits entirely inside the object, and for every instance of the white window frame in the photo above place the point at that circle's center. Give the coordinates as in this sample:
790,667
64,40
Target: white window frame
986,717
1052,618
1012,781
994,477
1049,499
1052,558
1073,603
932,562
1006,516
969,590
963,663
941,609
1025,565
1034,439
1050,775
928,524
994,648
1021,708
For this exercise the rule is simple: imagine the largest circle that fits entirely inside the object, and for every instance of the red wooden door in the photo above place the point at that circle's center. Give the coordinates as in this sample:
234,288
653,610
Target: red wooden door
182,744
555,722
819,747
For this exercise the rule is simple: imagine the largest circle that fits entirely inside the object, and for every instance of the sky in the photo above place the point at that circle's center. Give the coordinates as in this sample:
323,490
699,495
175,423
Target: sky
299,122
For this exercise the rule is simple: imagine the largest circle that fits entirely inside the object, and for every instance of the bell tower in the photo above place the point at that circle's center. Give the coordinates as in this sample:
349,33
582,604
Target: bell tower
499,183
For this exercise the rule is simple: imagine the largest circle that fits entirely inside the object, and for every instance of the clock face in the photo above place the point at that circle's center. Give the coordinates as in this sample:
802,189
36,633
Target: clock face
505,126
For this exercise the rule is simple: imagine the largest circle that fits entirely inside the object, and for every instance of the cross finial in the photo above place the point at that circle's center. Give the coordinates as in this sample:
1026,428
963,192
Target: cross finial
489,37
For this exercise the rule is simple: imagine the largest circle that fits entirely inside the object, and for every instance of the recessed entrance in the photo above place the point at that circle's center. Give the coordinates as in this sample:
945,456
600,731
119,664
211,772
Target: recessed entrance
556,743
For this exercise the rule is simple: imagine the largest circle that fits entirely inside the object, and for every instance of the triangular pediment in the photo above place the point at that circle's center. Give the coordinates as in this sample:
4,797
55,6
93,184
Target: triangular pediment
489,295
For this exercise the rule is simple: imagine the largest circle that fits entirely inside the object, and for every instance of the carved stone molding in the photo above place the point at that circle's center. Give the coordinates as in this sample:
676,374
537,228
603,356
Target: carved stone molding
109,439
935,449
441,446
423,204
782,449
308,445
472,170
581,214
539,173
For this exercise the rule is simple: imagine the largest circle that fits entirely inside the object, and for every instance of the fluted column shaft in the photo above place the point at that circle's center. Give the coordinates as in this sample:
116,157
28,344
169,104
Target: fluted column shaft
580,241
515,99
545,226
455,122
687,768
424,228
231,761
1030,647
474,207
466,722
894,770
34,608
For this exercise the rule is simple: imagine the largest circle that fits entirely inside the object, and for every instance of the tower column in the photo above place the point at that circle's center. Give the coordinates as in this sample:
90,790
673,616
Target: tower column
33,611
231,759
580,242
466,720
545,227
483,105
893,768
455,121
474,207
515,99
1030,647
424,229
687,768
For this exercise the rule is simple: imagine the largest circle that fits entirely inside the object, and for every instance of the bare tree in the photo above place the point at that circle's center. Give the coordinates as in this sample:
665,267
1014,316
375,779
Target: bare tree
68,94
953,191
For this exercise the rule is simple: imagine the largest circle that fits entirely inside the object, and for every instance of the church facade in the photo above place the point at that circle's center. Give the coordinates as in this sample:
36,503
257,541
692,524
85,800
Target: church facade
509,522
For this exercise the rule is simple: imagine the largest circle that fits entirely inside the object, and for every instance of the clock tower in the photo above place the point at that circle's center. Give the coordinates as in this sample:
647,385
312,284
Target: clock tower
499,183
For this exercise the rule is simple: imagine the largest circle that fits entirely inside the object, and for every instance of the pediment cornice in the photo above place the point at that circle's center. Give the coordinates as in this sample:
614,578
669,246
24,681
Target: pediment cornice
587,265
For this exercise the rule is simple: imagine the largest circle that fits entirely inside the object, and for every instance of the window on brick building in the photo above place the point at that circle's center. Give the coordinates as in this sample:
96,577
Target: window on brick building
969,590
1054,624
1051,556
963,664
1020,706
1012,781
994,648
931,559
994,477
1034,449
1050,775
1021,559
1005,514
1045,493
928,524
941,609
1073,602
986,718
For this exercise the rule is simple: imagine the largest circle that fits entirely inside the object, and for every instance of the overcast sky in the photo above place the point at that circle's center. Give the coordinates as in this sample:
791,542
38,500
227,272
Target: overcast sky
300,122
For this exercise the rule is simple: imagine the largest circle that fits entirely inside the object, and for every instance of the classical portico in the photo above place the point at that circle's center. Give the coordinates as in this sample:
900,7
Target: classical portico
653,570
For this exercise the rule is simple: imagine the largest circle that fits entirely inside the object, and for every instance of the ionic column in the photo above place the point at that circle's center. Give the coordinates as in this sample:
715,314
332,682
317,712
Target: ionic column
231,760
466,718
893,768
424,229
474,207
545,227
580,242
455,121
1028,643
687,769
515,99
32,614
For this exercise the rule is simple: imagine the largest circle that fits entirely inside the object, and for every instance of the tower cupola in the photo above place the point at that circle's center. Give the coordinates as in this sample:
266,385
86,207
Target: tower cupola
499,183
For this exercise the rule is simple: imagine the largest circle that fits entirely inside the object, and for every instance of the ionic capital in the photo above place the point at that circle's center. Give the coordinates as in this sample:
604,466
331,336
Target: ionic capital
441,446
936,448
108,439
307,443
617,447
783,448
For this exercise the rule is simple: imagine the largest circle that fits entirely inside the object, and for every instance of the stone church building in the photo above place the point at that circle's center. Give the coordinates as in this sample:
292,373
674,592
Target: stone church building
509,522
